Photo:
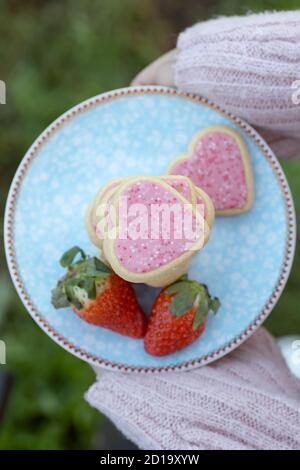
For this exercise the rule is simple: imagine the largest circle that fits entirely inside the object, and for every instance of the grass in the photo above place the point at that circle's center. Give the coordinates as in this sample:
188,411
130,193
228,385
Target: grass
53,55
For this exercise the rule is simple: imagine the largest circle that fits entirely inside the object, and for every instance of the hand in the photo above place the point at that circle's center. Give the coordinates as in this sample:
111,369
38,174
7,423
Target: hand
246,400
159,72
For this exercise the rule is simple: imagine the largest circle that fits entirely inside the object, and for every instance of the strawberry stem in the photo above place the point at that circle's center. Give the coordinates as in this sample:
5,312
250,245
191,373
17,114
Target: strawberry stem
69,256
188,294
80,280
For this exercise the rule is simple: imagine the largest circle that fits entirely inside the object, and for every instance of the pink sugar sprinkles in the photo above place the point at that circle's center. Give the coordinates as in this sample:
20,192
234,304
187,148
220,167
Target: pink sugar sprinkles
153,237
217,167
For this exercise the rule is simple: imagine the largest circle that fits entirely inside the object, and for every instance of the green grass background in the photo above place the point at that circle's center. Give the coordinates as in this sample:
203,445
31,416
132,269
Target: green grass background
54,54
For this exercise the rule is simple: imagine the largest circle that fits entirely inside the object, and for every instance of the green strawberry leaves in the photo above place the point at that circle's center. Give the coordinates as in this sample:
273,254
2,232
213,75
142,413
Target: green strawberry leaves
182,302
184,298
69,256
188,294
59,298
94,267
71,295
214,304
79,283
89,286
202,311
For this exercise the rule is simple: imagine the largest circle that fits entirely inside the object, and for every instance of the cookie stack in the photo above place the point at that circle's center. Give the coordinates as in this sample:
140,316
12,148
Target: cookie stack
149,228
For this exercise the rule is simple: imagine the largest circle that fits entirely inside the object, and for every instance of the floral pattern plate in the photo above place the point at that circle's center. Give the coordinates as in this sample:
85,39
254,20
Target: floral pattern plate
139,131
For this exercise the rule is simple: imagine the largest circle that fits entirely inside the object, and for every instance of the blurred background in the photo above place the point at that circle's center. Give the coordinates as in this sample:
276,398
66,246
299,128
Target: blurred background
54,54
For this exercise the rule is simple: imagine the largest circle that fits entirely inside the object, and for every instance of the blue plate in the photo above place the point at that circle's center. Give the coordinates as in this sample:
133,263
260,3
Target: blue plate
139,131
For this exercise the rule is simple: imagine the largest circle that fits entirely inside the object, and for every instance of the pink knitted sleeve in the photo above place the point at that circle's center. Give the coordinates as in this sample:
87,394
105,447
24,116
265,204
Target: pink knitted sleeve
247,400
249,66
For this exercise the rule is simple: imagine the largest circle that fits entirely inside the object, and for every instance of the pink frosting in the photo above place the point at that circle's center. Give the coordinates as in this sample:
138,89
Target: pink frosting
185,190
147,252
182,187
217,167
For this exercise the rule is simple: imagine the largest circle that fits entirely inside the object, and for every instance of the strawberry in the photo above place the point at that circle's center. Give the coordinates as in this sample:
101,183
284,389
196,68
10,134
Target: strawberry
178,317
98,296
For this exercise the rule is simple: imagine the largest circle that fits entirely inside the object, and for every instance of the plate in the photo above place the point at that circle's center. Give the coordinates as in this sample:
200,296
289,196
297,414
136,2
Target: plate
138,131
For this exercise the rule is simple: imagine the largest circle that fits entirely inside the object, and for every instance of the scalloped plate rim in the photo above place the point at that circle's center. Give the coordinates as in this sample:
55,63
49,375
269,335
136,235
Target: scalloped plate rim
20,285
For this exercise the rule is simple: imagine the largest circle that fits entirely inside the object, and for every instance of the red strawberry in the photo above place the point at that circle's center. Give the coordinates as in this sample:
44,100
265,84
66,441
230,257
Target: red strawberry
98,296
178,317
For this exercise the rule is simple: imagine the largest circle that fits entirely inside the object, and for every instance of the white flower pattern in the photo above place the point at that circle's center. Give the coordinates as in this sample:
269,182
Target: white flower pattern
141,134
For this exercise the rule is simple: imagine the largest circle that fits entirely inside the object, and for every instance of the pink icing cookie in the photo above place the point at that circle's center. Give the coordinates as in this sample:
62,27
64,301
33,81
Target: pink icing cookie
90,215
104,196
206,206
183,185
152,257
218,162
193,194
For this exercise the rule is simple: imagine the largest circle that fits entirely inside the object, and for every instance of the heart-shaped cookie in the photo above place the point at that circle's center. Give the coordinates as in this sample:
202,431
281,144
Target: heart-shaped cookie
218,162
104,196
91,221
205,205
163,248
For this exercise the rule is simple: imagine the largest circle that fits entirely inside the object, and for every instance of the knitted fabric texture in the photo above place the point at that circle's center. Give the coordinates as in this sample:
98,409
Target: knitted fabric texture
248,66
246,400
